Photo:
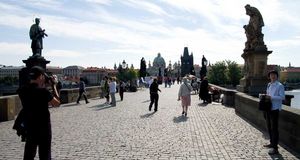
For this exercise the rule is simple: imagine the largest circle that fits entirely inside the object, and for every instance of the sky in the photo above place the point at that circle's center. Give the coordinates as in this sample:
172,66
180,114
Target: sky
100,33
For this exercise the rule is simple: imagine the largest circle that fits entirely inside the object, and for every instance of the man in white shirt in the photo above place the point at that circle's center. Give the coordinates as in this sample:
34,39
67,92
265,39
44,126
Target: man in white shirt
275,92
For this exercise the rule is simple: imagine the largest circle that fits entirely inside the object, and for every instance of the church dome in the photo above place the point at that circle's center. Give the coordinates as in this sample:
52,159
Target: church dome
159,61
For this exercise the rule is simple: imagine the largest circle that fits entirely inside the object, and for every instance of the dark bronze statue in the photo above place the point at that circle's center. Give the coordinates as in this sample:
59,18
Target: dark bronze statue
253,29
143,68
37,34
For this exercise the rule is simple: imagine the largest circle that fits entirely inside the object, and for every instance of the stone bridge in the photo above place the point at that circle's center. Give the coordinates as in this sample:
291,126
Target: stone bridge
130,131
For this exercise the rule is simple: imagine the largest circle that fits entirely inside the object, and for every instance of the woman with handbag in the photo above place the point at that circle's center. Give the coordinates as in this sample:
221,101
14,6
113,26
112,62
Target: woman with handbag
184,94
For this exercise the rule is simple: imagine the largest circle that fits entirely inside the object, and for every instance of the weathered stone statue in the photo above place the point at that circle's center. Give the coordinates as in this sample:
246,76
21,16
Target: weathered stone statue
253,30
37,34
255,55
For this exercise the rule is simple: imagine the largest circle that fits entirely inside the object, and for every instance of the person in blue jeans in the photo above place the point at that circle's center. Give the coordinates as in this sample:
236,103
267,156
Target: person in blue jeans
275,92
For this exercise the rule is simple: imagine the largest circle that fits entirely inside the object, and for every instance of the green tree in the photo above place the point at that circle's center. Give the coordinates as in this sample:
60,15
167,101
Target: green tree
217,73
234,73
127,74
225,73
8,80
132,74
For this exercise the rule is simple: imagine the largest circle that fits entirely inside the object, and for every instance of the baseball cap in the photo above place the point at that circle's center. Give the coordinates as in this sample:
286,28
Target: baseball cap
36,71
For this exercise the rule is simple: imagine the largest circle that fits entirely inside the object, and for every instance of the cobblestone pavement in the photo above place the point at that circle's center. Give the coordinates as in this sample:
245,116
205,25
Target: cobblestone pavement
130,131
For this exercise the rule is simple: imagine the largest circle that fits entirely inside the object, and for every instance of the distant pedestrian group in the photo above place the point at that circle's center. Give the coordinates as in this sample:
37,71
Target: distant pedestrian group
108,90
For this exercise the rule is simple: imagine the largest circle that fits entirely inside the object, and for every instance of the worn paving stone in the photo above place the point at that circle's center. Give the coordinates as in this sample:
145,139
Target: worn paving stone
130,131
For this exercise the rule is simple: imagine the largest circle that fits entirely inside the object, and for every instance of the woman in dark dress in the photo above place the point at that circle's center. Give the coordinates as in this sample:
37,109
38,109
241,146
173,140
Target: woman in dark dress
204,91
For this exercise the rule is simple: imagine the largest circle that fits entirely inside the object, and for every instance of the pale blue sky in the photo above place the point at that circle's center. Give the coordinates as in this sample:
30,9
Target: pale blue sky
103,32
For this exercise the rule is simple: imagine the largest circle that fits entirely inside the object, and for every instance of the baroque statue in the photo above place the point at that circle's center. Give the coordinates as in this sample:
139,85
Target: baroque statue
253,29
37,34
143,68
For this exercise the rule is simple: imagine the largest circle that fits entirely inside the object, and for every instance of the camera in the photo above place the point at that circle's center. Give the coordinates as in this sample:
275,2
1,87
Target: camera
50,79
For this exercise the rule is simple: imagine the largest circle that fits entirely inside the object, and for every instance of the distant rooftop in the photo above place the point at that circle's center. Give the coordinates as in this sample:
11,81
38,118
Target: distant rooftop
11,67
75,67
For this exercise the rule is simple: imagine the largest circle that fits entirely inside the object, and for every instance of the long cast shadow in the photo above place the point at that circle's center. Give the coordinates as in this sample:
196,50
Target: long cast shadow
148,115
69,105
277,156
179,119
101,107
202,104
146,101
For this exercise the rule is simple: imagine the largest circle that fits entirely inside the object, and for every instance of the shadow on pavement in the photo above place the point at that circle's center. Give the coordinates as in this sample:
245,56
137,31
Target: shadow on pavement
202,104
101,106
70,105
277,156
180,119
96,98
148,115
146,101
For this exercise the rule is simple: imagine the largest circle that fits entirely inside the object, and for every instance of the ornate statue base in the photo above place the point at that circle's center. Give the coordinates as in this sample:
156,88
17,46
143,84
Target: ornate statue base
35,60
255,78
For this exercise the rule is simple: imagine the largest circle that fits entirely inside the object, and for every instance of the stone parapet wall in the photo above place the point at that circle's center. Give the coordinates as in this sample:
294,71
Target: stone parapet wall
228,95
10,106
71,95
289,119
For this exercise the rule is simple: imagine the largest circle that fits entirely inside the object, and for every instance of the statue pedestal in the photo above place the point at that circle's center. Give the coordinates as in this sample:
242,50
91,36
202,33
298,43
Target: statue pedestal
255,79
253,85
30,62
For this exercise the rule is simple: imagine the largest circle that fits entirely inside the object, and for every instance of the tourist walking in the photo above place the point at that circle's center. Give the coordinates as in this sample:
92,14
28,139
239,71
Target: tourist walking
82,91
184,94
113,90
203,94
121,89
35,115
106,89
275,92
154,95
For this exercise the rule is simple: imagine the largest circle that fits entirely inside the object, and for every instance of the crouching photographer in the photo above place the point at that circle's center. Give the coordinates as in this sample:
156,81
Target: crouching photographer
34,118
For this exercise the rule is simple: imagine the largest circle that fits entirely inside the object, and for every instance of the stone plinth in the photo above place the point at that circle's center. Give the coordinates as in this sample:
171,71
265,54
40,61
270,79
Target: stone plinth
255,78
7,108
30,62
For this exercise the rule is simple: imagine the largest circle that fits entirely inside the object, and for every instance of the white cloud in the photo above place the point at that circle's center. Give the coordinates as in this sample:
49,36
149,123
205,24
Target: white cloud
9,49
43,4
64,54
105,2
144,5
212,28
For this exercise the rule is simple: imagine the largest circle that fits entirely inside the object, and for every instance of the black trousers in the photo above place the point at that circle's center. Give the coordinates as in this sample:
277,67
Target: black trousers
41,140
107,96
272,125
80,94
121,92
154,99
